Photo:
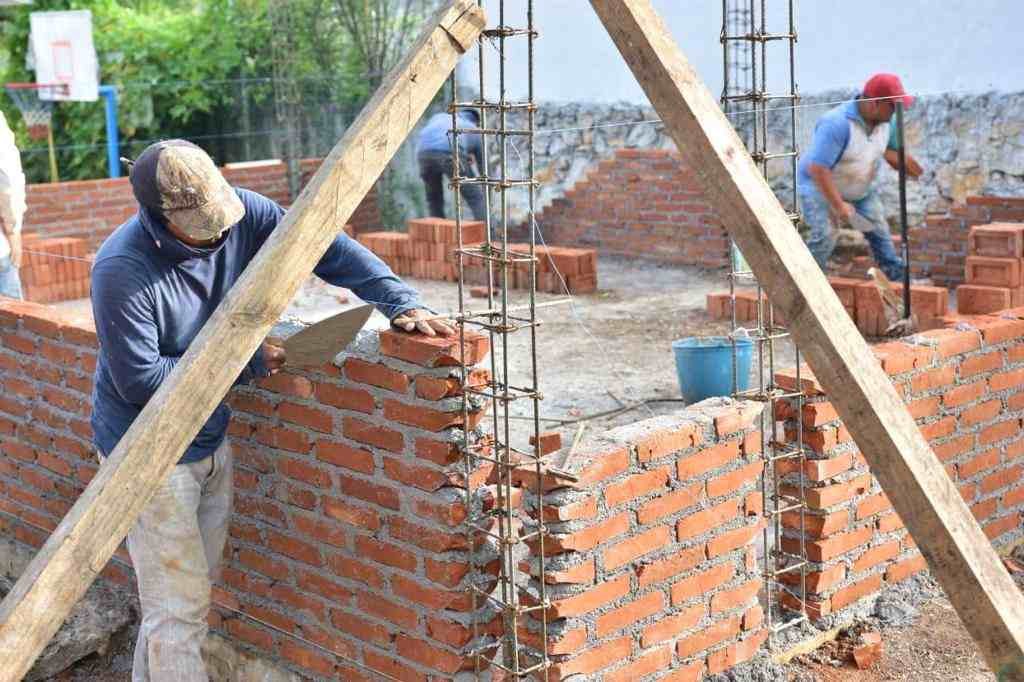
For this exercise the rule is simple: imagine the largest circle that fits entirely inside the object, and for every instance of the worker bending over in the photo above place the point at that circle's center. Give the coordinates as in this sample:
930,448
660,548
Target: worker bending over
434,153
156,281
836,175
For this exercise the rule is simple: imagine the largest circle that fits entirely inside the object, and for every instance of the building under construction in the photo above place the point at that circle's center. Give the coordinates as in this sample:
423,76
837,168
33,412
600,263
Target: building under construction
531,498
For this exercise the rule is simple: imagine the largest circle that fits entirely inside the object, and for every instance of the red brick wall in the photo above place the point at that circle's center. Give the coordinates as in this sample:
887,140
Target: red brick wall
966,391
92,209
350,495
651,563
641,202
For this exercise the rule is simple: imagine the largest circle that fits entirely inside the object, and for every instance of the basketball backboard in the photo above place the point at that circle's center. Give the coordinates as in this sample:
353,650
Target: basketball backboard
62,51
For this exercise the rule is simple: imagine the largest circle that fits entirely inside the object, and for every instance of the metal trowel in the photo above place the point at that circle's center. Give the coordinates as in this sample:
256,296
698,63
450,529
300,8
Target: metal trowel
318,344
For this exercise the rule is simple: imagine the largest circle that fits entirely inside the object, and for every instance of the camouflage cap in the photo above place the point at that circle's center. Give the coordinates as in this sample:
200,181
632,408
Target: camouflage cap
181,182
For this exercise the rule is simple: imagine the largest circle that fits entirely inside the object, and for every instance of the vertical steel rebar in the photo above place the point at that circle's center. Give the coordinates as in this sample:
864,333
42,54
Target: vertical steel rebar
745,35
503,265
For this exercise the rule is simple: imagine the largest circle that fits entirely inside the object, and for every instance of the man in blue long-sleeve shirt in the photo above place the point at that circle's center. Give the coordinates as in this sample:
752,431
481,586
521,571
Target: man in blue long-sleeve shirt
156,281
435,156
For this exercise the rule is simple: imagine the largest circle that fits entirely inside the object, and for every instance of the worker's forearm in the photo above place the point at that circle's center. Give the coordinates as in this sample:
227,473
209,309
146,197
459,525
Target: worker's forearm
822,177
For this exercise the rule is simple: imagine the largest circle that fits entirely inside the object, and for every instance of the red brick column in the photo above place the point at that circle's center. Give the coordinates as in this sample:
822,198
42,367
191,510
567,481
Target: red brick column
651,565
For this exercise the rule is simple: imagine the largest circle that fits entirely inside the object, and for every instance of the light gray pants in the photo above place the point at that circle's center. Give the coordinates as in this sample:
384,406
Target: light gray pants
176,547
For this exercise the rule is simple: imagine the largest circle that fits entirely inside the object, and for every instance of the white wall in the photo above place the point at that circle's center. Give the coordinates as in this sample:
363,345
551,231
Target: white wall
934,45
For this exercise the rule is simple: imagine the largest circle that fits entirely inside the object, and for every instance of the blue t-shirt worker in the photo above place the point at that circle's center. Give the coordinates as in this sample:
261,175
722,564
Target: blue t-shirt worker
156,281
836,179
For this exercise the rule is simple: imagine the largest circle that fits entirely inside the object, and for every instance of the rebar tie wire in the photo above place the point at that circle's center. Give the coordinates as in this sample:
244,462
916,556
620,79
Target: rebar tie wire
497,257
742,36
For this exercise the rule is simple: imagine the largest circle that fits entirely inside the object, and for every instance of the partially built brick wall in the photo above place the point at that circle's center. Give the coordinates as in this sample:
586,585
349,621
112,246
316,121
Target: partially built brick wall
965,388
347,536
651,563
348,541
643,203
92,209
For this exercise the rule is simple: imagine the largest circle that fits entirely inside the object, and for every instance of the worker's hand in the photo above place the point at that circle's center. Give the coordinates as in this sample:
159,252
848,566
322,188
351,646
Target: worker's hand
411,320
914,169
273,357
16,253
844,212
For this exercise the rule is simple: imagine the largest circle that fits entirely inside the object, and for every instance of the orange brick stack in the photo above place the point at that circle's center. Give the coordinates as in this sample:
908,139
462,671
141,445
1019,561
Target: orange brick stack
860,298
427,251
55,269
994,271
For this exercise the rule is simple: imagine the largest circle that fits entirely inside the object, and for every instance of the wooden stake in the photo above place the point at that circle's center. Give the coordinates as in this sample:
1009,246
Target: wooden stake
84,541
959,554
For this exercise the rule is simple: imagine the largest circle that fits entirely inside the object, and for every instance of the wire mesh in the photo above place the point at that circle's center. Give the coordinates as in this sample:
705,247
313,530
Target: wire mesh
745,39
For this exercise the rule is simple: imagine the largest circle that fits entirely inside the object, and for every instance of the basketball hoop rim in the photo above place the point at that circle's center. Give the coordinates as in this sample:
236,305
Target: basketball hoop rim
60,88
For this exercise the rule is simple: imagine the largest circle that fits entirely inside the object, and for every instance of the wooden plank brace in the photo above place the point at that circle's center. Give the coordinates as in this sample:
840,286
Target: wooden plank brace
959,554
86,538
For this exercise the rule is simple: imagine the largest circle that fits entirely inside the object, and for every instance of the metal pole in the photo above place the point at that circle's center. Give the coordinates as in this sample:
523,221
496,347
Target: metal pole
902,153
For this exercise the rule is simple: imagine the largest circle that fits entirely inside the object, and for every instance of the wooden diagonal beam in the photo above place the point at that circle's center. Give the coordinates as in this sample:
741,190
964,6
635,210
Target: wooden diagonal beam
83,543
959,554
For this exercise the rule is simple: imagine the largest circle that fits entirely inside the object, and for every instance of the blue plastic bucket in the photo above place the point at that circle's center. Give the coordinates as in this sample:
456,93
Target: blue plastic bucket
704,366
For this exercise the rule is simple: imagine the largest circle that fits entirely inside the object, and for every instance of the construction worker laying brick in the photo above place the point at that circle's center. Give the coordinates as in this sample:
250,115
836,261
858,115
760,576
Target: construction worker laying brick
436,160
837,174
156,281
12,211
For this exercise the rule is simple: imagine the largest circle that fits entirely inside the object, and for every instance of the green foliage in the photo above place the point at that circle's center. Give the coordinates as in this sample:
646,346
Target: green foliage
164,59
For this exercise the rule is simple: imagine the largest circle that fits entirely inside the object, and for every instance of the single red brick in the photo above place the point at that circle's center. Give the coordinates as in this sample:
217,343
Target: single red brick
982,412
707,460
378,375
733,539
702,583
735,597
999,431
437,351
288,384
856,591
373,434
590,599
966,393
679,561
354,399
707,520
596,658
876,555
667,441
634,486
668,627
634,547
629,613
642,666
716,633
728,483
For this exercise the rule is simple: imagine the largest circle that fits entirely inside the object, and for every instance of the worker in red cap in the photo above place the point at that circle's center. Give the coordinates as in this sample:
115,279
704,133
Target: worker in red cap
836,175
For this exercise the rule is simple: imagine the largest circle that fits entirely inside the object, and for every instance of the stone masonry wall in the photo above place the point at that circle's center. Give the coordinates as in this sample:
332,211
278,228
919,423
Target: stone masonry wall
92,209
965,387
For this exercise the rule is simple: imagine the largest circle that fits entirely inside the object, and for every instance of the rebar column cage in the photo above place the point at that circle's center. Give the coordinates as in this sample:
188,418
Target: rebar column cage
502,524
747,101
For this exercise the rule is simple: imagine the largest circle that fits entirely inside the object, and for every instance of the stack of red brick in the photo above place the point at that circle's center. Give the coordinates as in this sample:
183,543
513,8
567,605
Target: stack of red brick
55,269
428,251
860,298
994,270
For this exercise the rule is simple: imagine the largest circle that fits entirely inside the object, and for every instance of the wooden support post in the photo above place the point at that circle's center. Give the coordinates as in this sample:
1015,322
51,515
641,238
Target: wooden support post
960,555
84,541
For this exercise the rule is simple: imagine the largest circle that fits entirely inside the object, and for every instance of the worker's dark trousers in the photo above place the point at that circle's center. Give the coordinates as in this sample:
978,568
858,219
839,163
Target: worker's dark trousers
434,168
